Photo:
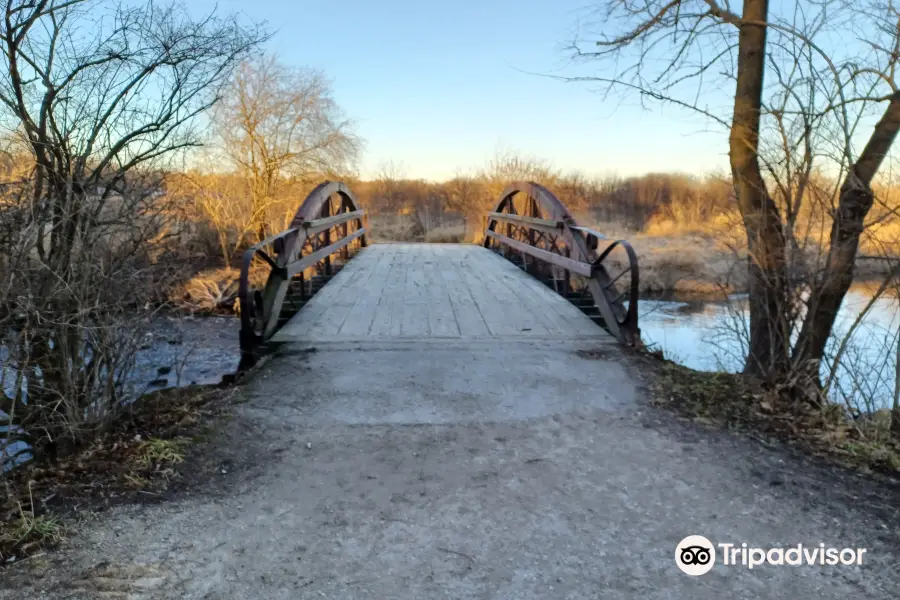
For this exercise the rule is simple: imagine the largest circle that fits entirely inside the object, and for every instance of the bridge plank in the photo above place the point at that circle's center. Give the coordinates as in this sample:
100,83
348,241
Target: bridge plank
518,315
388,314
496,308
465,310
553,311
368,291
447,291
519,284
414,299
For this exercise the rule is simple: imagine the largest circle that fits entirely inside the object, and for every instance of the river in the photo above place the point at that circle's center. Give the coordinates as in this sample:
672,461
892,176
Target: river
707,336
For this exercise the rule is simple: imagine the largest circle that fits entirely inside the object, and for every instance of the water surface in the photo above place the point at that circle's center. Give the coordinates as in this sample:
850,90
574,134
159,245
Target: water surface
176,351
709,336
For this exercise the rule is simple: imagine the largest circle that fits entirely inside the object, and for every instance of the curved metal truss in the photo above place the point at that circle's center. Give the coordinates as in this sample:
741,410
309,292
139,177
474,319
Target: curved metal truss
328,222
531,227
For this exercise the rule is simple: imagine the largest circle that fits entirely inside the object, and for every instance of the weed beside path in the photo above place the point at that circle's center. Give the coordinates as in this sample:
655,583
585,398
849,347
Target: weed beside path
736,402
137,459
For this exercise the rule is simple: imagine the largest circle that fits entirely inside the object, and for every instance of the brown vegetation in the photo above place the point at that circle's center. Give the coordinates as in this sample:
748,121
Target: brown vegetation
687,231
740,402
97,106
138,457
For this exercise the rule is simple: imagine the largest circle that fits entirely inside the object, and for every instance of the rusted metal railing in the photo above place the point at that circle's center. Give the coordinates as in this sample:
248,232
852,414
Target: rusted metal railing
531,226
328,222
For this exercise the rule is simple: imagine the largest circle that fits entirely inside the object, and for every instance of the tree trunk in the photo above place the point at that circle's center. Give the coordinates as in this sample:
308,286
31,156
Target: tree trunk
769,326
856,199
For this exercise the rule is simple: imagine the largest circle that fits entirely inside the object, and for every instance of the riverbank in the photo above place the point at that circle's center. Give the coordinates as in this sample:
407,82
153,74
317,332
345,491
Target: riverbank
176,386
705,266
869,442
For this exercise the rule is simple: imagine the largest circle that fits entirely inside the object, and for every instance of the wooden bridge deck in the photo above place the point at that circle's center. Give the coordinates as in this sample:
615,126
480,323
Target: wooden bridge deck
434,291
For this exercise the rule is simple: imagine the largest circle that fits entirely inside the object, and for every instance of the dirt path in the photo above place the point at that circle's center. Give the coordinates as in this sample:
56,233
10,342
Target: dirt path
491,470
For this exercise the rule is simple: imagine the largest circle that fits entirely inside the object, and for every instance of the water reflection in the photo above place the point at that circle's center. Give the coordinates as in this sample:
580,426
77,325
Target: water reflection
709,336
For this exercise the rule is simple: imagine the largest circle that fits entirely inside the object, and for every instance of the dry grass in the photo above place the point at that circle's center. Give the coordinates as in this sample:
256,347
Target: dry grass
215,290
156,452
717,227
689,264
882,238
737,402
27,532
392,228
709,259
138,457
404,228
209,291
448,234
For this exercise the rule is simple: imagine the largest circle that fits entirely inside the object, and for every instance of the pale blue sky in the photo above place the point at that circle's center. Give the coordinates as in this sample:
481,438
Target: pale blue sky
440,87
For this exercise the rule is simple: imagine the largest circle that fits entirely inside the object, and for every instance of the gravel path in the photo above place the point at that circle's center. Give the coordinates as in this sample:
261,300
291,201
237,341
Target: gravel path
498,469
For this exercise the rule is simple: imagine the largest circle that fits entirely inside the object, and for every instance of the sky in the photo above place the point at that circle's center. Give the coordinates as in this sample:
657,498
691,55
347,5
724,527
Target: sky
438,88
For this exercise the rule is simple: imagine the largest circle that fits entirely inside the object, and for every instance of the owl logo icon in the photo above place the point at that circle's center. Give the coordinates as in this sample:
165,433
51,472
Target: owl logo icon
695,555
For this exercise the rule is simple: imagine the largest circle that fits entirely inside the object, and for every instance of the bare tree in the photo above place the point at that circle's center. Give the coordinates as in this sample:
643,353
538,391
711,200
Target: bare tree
790,75
101,97
387,190
277,123
220,206
464,195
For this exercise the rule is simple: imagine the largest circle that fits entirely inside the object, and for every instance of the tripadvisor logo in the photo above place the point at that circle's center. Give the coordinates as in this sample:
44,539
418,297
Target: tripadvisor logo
696,555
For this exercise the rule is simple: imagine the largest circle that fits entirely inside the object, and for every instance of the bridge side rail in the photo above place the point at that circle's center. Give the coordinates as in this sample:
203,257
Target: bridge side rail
320,228
542,229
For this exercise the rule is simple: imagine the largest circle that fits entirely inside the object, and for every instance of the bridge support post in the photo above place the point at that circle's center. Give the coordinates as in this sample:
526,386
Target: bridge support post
327,261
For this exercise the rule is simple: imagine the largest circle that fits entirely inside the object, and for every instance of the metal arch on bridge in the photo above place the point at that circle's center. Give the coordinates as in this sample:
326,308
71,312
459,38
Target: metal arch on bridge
545,230
330,221
320,228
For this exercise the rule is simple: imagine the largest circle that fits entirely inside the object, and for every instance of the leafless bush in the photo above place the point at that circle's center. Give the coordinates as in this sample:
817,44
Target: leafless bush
98,98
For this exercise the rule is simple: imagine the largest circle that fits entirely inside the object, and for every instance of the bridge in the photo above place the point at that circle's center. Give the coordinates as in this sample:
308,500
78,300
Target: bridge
538,274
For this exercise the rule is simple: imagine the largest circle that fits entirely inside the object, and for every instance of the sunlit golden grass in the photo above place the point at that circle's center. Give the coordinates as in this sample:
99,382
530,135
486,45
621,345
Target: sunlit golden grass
448,234
882,238
391,228
709,257
216,289
688,264
659,226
